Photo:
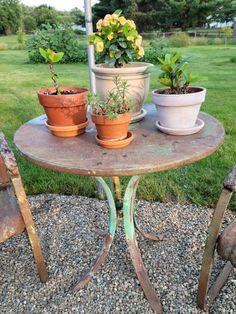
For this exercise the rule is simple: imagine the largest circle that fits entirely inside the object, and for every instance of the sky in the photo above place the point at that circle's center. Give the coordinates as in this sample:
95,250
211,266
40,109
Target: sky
62,5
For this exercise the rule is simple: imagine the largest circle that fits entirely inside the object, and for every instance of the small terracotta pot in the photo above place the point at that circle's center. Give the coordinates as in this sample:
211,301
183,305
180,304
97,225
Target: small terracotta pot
64,110
112,130
67,131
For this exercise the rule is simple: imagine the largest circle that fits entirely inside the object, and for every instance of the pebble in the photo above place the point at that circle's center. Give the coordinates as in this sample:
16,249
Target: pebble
66,227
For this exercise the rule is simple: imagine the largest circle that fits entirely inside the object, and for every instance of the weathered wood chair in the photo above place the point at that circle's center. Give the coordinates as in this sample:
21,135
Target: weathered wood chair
224,243
15,214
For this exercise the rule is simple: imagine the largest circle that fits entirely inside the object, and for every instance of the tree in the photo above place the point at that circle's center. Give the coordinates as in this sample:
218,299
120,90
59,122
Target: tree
166,14
28,18
77,16
47,15
10,16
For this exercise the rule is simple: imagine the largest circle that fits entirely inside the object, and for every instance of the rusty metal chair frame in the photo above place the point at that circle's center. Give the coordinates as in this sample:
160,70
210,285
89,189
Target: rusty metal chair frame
211,243
15,210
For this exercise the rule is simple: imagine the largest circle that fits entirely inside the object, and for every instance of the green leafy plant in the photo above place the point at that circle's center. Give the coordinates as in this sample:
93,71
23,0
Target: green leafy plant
117,101
52,57
175,75
116,40
58,38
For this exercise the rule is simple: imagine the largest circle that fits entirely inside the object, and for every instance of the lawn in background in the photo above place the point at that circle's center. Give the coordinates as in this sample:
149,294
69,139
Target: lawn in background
199,183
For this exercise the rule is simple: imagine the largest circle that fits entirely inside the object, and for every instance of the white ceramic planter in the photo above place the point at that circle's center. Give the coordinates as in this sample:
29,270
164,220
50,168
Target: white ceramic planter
134,73
178,111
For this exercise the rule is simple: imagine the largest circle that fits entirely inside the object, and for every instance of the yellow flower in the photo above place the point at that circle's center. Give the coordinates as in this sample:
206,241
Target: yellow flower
141,52
106,22
99,46
110,36
99,25
131,24
107,17
113,21
130,38
138,41
122,20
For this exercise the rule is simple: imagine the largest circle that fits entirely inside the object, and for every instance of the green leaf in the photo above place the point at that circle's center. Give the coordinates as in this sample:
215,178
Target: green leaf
126,30
165,81
118,12
43,53
58,56
123,44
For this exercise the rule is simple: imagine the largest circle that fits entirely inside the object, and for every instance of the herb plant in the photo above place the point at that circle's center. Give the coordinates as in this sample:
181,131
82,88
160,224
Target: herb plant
52,57
116,102
175,75
117,40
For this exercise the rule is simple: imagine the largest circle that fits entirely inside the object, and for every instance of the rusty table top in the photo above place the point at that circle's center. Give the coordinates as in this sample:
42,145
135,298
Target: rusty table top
150,151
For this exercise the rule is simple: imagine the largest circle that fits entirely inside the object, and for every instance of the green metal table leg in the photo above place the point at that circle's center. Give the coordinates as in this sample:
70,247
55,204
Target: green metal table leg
108,237
128,212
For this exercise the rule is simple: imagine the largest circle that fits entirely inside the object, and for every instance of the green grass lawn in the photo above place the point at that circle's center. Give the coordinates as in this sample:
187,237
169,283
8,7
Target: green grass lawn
198,183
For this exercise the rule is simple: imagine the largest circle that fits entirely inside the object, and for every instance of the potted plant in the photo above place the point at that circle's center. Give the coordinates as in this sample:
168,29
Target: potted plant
178,104
112,116
65,107
117,42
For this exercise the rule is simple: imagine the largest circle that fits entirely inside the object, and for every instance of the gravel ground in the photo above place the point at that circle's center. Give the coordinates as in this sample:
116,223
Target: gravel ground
66,225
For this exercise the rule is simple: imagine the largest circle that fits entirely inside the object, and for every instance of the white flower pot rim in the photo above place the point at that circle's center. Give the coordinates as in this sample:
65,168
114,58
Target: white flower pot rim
132,67
202,90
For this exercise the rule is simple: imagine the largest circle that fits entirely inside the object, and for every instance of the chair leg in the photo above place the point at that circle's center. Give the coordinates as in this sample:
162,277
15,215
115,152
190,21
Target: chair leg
30,227
208,254
220,281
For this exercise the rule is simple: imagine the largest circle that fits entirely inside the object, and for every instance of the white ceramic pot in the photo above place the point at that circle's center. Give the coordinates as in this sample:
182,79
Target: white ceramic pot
135,73
178,111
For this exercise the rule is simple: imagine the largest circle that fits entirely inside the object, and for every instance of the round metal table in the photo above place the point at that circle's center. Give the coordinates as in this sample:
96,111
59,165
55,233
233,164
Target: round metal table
151,151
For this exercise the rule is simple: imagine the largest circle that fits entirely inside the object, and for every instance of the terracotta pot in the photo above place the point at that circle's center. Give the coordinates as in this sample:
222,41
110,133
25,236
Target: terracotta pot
178,111
64,110
68,131
112,130
134,73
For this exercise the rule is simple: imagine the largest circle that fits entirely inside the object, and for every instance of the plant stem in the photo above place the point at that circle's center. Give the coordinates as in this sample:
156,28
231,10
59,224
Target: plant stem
53,77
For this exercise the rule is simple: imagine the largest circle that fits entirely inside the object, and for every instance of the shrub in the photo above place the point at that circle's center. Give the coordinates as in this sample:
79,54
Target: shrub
215,41
179,40
3,46
20,35
58,38
233,60
152,54
199,41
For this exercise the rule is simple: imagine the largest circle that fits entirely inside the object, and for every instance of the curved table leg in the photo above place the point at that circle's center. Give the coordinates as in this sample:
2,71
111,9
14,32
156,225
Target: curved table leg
128,209
108,237
208,254
148,235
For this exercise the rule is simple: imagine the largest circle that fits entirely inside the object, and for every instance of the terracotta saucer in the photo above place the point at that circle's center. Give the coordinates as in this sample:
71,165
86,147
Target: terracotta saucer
139,116
67,131
196,128
116,144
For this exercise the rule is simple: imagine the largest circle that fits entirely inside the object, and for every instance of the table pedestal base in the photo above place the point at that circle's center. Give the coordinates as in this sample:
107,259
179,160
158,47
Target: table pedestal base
119,210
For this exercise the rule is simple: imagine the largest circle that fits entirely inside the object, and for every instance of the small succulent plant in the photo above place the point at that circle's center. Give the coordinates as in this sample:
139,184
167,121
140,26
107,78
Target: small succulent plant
117,101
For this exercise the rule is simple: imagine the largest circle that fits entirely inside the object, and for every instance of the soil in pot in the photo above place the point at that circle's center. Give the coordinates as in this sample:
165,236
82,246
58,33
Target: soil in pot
112,130
66,109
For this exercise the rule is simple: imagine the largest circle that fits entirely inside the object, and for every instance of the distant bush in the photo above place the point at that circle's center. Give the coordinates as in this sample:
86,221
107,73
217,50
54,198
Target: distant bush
159,43
179,40
215,41
233,60
3,46
199,41
58,38
152,54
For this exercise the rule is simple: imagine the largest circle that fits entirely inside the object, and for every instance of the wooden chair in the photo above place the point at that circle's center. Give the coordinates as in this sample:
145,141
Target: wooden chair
15,214
225,245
